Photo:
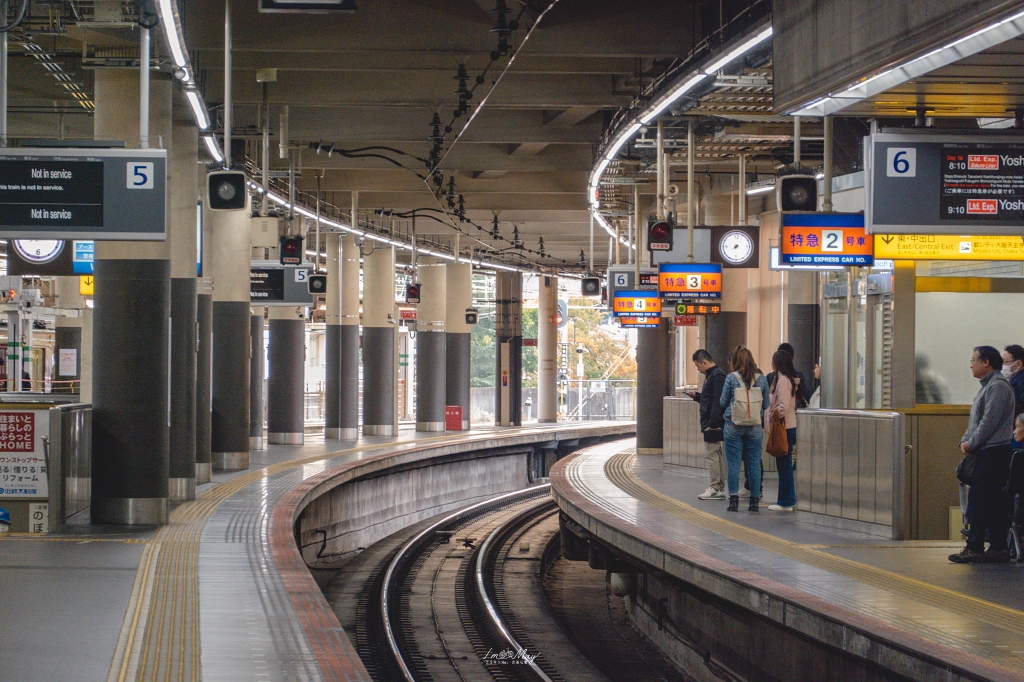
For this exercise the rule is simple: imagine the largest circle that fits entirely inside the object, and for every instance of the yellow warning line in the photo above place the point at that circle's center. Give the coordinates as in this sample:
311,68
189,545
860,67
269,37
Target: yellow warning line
619,470
172,600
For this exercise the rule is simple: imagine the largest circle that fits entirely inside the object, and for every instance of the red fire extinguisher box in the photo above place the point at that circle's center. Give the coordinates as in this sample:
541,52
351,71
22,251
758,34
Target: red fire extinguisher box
453,417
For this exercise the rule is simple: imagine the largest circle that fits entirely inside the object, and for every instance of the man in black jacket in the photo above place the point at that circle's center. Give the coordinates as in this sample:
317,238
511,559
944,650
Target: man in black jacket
712,421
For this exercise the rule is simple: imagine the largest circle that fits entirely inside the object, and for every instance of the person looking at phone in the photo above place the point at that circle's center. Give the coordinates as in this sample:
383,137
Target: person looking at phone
712,421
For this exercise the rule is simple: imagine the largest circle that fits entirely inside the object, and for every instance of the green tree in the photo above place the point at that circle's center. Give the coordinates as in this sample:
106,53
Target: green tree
606,351
481,361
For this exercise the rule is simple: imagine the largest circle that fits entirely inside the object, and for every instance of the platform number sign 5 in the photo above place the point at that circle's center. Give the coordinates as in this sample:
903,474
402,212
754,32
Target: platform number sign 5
140,175
901,162
301,275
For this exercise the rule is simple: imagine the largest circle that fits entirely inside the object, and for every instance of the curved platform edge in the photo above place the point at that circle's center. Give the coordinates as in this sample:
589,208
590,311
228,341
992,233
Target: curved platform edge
854,633
333,649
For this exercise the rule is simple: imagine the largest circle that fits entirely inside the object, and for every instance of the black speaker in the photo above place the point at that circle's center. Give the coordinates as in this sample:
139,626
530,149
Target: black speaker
798,193
227,190
317,284
291,250
590,286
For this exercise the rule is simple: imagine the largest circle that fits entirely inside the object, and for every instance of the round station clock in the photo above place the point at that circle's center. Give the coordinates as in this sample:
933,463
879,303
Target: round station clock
736,247
38,250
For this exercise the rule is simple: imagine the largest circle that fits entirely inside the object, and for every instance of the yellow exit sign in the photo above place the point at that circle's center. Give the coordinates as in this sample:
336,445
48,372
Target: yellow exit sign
948,247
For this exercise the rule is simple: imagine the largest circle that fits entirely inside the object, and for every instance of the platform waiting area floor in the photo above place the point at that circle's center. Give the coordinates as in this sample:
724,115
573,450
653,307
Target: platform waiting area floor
905,593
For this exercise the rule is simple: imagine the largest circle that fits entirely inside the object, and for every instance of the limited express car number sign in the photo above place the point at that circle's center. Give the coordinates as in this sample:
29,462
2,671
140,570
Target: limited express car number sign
825,239
690,280
982,182
644,303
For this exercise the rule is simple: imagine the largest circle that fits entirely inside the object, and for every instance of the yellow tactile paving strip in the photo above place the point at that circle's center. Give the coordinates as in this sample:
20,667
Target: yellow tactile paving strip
619,470
160,635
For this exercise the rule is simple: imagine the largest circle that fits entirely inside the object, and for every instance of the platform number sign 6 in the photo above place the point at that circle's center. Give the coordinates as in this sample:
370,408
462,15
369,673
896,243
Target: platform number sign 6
140,175
621,280
901,162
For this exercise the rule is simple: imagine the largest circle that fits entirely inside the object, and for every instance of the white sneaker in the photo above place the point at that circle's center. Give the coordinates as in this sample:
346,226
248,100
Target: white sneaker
744,492
779,507
708,494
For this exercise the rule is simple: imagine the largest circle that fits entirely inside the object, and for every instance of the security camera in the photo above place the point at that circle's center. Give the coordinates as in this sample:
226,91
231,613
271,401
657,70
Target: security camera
180,74
673,190
472,315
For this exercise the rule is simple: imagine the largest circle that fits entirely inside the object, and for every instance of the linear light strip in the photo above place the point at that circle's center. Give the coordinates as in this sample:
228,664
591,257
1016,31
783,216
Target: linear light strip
982,39
379,238
687,84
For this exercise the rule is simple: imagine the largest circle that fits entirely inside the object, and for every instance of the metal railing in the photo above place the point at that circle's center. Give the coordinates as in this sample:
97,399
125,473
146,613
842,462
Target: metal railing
597,400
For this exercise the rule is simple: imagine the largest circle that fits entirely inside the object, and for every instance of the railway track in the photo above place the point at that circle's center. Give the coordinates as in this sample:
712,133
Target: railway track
439,601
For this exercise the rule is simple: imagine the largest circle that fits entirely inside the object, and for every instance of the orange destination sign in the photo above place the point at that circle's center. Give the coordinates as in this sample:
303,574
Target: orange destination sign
636,304
690,280
825,239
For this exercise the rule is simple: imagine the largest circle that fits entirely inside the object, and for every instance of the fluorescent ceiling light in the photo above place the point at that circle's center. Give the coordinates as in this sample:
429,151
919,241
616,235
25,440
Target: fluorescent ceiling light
673,96
614,149
739,50
169,21
982,39
198,109
211,145
760,190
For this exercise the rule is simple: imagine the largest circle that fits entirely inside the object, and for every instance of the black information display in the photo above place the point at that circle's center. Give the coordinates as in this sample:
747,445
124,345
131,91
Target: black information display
266,284
982,182
51,193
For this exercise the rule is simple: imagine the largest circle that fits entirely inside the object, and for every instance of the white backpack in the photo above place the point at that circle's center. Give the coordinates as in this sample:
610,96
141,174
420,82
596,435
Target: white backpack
746,403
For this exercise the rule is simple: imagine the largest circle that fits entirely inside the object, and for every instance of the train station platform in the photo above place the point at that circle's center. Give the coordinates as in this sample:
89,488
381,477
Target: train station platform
222,592
899,608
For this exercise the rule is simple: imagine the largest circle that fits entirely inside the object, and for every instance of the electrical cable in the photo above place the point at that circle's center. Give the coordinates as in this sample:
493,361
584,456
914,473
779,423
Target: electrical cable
17,19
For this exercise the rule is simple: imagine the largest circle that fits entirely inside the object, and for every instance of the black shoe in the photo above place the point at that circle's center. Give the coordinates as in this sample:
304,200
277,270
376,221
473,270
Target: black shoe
734,503
753,505
967,556
999,557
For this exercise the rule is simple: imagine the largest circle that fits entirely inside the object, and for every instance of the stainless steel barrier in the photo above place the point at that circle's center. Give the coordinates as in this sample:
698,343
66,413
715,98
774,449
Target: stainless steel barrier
683,440
851,470
69,462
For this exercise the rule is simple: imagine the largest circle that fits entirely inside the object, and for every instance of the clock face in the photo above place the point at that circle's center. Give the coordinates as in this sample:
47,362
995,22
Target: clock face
736,247
38,250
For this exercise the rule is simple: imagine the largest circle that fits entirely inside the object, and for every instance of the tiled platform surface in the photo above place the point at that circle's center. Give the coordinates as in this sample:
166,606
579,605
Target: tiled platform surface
900,604
201,598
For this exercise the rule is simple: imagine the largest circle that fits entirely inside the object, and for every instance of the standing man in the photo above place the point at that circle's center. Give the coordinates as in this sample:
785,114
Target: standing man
712,421
987,439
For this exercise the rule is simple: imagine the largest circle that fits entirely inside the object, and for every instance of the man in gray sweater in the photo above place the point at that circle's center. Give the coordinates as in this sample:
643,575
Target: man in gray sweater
987,439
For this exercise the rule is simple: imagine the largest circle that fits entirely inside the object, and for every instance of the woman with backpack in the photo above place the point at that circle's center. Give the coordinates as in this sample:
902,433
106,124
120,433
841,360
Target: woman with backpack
783,405
745,398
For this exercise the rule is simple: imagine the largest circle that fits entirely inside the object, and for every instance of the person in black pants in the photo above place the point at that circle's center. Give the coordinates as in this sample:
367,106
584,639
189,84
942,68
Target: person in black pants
987,439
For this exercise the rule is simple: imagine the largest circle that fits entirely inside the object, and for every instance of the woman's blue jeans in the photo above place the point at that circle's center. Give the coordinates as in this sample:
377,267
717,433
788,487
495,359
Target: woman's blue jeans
787,487
743,443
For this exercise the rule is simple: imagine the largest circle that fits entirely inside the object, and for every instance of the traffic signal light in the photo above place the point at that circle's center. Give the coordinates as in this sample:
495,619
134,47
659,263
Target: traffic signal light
291,250
412,293
562,316
798,193
317,284
226,190
591,286
659,235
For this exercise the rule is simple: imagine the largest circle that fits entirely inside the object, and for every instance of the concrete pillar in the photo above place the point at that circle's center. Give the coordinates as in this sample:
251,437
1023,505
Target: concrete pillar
348,400
256,373
183,163
653,383
728,329
229,266
67,337
547,350
430,348
204,383
86,362
458,337
508,337
131,335
332,342
379,342
286,356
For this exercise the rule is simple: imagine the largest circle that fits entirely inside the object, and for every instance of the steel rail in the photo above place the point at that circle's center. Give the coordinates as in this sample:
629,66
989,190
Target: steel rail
412,545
